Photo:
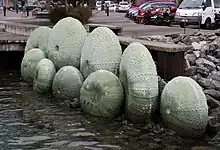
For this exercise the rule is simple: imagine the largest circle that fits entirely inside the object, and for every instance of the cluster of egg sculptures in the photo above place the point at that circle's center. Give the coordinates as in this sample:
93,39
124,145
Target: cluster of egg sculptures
91,70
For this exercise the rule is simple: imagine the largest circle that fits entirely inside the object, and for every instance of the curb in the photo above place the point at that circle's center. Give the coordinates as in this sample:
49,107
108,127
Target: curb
17,28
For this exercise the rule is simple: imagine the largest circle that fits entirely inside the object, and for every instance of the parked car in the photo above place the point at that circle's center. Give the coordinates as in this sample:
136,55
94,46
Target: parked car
160,15
98,5
123,7
151,10
134,14
111,5
202,12
134,10
129,12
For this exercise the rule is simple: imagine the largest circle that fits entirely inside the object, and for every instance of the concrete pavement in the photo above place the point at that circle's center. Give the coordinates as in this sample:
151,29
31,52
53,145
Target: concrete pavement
14,17
129,27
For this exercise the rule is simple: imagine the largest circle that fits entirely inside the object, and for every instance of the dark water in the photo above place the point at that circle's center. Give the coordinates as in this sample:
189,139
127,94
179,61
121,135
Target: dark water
32,121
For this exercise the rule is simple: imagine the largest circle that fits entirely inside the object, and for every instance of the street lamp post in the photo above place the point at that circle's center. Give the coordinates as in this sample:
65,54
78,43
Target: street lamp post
4,9
16,7
5,6
66,6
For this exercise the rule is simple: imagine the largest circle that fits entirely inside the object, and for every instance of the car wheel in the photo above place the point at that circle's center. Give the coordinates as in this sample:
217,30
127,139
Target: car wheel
182,25
10,8
141,21
208,24
145,21
169,23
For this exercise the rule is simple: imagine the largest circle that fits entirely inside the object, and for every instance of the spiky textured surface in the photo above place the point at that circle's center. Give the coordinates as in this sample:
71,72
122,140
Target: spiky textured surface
38,39
43,76
101,50
139,77
29,63
102,94
184,107
65,42
67,83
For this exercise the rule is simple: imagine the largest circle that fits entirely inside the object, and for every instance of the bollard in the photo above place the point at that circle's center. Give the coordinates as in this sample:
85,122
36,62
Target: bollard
199,21
16,8
185,26
27,11
4,9
107,10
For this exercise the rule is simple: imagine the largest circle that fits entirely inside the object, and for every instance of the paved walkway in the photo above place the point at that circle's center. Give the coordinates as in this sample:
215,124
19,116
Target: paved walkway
10,16
14,17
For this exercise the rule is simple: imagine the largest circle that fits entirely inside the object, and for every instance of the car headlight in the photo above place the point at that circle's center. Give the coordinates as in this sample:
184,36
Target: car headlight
197,14
177,14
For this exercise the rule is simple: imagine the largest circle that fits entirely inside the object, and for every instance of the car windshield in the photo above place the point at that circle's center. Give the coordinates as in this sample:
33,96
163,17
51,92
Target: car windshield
107,2
216,3
143,5
191,4
123,3
146,7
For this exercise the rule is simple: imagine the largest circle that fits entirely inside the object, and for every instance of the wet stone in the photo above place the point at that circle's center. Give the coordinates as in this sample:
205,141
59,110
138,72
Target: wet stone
145,136
153,146
218,68
197,53
214,123
191,58
218,55
206,83
158,140
203,148
169,132
161,84
215,75
206,63
213,37
213,103
213,93
202,70
191,70
212,59
216,84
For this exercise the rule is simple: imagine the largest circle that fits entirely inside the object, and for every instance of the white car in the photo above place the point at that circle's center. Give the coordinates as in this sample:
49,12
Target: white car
98,5
123,6
111,5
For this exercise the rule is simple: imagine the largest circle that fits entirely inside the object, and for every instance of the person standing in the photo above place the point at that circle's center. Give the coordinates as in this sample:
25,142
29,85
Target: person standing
23,9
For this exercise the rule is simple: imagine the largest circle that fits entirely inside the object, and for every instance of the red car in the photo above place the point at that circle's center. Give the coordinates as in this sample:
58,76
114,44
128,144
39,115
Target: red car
134,5
155,9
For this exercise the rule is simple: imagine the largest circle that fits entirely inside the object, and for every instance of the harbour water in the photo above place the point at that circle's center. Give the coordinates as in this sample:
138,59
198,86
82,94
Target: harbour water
32,121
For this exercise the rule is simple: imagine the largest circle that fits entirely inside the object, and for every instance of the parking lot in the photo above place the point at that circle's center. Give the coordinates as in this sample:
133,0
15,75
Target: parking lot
133,29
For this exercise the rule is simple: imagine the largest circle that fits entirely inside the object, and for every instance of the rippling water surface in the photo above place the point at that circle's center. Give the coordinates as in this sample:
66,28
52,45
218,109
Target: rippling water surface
32,121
